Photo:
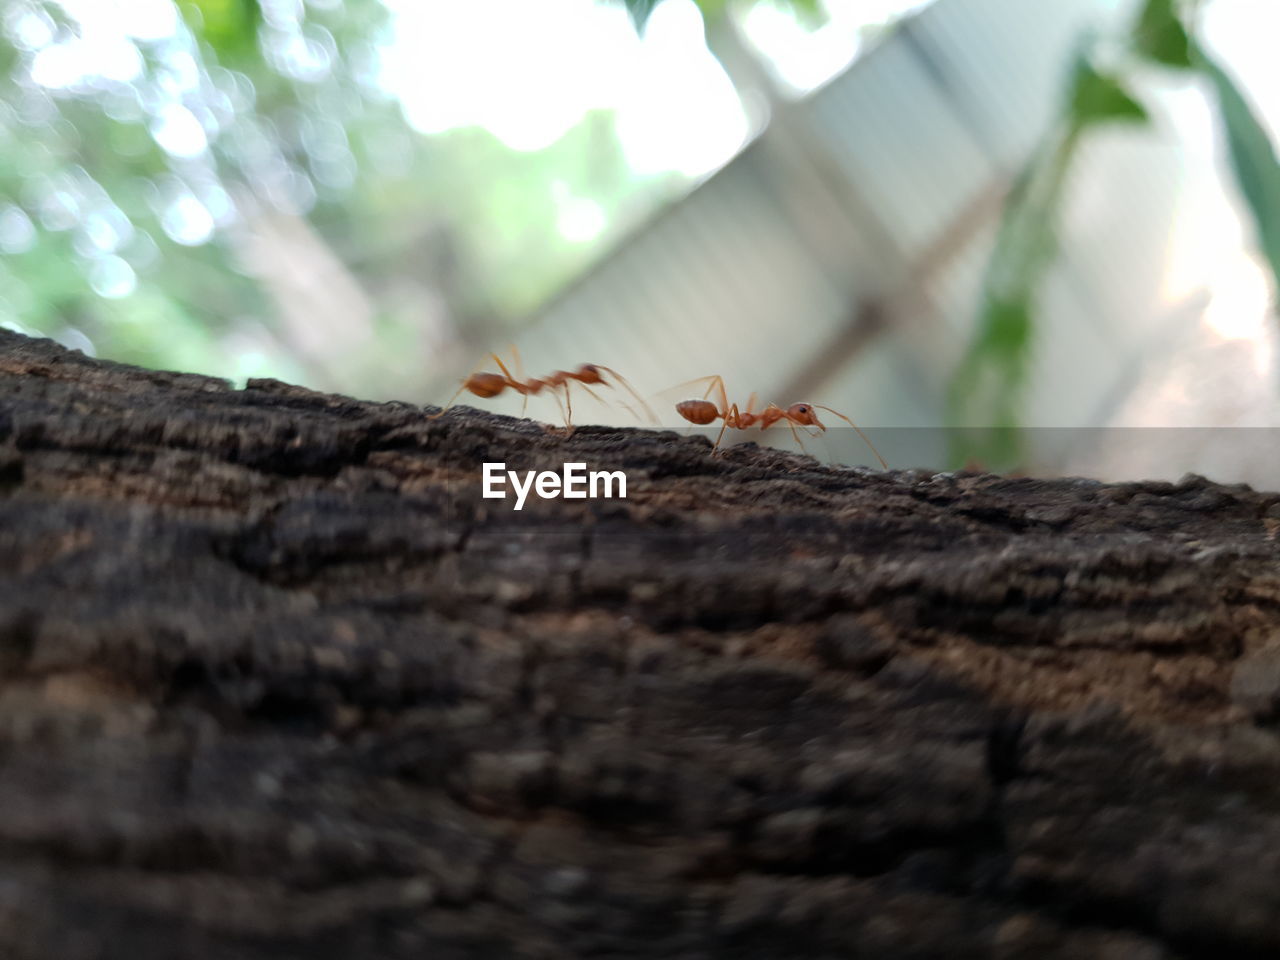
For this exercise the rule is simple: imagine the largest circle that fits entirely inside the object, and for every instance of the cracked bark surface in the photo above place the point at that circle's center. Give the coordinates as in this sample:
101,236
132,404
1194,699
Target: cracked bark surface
276,683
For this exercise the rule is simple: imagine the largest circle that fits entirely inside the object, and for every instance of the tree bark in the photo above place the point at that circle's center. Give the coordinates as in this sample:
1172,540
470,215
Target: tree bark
276,682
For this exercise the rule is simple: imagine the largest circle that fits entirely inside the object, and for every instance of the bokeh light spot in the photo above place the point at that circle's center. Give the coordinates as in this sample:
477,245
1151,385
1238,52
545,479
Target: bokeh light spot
17,232
187,221
178,132
111,277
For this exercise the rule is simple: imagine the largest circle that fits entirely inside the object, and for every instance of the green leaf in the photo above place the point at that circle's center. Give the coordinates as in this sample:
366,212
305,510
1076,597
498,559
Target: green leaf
1099,98
640,11
712,9
809,12
986,391
1005,327
1253,160
1160,36
230,27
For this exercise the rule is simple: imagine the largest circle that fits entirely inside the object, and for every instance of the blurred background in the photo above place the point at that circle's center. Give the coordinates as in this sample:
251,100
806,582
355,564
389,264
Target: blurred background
1027,236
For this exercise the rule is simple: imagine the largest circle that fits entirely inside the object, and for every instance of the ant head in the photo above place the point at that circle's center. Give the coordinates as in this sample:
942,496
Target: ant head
804,415
485,384
589,373
700,412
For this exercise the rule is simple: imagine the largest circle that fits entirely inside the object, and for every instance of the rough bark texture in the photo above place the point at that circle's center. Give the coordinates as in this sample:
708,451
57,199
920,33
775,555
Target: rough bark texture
276,683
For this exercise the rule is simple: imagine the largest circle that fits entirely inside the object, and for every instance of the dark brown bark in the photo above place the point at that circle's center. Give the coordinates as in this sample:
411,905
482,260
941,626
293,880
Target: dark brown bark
276,683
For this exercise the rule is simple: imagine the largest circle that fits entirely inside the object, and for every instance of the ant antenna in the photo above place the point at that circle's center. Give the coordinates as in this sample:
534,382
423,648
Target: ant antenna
865,438
630,389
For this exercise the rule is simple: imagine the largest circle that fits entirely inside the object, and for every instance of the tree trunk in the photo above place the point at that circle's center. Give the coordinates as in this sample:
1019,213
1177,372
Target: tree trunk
276,682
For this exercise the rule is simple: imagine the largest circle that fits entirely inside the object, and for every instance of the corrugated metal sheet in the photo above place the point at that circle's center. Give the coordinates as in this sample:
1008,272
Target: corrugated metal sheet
901,143
1003,61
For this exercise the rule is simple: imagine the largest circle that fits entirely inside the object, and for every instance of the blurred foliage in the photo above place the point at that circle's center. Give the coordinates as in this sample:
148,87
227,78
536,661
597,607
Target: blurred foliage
146,143
993,373
229,27
1159,35
131,158
987,387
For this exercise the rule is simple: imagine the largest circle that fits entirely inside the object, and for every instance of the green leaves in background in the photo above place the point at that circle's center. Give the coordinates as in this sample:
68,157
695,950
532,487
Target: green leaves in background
230,27
1160,36
640,11
987,387
991,377
987,383
1253,160
1098,97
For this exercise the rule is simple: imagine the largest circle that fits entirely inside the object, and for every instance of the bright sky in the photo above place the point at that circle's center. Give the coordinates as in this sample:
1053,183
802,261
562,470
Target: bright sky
804,59
535,78
532,80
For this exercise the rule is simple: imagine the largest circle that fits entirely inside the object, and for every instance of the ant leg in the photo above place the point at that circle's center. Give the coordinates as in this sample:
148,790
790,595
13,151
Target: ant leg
559,406
622,403
553,388
732,418
519,365
595,396
445,408
713,381
717,383
797,436
600,400
783,418
513,382
723,427
695,382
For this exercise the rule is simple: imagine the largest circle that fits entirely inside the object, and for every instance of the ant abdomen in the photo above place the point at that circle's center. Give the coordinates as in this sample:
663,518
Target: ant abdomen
701,412
485,384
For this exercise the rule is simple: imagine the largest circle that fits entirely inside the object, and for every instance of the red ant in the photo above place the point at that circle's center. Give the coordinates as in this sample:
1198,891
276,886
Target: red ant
487,385
703,412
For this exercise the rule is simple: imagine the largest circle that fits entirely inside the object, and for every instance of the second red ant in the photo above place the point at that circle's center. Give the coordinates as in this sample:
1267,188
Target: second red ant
703,412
